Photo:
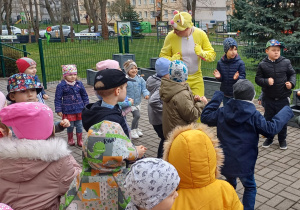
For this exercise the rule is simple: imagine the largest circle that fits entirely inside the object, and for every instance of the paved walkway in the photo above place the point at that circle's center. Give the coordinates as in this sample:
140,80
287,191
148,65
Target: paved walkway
277,171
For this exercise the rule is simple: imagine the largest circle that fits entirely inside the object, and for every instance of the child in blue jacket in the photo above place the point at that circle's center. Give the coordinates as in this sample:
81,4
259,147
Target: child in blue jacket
135,91
230,68
238,127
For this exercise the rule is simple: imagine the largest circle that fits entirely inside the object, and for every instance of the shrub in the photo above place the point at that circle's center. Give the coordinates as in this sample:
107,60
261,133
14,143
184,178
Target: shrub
10,64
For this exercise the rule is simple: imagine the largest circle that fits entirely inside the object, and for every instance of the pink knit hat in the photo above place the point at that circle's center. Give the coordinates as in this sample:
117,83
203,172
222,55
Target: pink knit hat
69,69
107,64
2,100
29,120
24,63
5,207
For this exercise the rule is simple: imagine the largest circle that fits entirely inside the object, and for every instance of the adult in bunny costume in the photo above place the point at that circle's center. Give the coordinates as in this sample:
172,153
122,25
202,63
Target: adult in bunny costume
191,45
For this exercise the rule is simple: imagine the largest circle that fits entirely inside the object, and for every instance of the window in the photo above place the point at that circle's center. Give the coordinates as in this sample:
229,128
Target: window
151,1
140,14
108,4
133,2
145,2
173,0
140,2
158,5
165,13
152,14
145,14
166,1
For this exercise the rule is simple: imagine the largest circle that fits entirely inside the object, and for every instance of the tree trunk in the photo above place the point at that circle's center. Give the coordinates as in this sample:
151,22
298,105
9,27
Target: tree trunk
102,4
193,9
91,9
1,4
7,8
68,2
28,21
49,10
36,25
62,38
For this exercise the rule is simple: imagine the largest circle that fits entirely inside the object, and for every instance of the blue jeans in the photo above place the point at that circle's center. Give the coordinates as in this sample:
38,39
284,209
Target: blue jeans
249,191
77,124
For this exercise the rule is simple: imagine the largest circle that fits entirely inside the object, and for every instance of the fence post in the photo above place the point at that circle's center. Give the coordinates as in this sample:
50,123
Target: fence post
120,44
2,60
126,44
42,63
24,50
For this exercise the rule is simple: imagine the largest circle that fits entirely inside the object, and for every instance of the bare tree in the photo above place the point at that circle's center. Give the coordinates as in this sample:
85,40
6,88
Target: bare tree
1,13
62,38
50,12
92,8
8,9
102,4
27,19
68,11
34,22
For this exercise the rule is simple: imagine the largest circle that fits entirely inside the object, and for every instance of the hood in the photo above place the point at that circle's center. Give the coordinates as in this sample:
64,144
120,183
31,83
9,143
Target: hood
21,160
169,88
234,60
266,59
238,111
95,113
194,151
153,83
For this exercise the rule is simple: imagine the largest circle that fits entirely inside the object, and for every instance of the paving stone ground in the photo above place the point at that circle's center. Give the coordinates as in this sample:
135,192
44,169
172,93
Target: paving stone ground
277,172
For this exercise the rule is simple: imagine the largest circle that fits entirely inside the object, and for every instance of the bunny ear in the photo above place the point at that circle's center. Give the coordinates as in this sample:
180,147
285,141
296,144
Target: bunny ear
175,12
181,18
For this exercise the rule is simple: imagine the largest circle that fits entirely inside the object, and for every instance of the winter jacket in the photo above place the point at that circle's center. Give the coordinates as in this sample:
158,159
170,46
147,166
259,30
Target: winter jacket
100,185
136,89
95,113
194,151
179,107
281,71
70,99
227,68
154,103
238,127
42,93
35,173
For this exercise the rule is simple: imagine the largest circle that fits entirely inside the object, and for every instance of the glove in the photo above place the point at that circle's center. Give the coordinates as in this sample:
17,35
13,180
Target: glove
176,56
199,51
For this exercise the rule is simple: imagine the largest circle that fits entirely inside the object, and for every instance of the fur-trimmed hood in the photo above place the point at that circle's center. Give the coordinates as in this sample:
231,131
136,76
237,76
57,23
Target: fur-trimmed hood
194,151
22,159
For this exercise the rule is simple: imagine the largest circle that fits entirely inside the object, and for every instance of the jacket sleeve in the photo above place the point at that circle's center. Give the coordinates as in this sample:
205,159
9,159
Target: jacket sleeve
143,87
236,203
166,50
58,98
271,128
219,69
291,74
211,111
68,171
242,71
209,52
58,127
155,102
259,78
37,80
187,109
84,95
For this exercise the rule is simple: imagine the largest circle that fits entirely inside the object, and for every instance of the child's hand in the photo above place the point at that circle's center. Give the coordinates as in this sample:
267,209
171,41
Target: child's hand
60,114
45,96
259,102
131,100
298,93
176,56
271,81
196,98
141,150
288,85
65,123
204,100
217,74
147,97
236,75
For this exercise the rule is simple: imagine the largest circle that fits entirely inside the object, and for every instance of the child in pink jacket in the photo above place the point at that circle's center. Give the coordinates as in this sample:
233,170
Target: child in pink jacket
36,168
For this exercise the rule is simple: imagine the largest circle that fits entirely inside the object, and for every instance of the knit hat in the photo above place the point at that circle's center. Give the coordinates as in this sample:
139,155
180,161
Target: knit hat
149,182
107,64
162,66
5,207
24,63
2,100
181,20
18,82
29,120
243,89
69,69
274,42
178,71
228,43
128,65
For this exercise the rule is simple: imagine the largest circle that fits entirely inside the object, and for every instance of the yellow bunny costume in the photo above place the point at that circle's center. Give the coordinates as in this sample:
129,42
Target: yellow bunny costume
191,49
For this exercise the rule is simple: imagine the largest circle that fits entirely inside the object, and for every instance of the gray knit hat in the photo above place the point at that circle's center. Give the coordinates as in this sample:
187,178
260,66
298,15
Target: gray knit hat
149,182
243,89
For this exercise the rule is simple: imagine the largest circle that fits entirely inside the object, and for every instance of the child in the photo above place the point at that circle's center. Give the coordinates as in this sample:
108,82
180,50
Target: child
151,184
28,66
155,103
230,68
37,168
5,207
277,77
180,107
99,186
238,127
195,153
22,88
134,91
70,99
4,130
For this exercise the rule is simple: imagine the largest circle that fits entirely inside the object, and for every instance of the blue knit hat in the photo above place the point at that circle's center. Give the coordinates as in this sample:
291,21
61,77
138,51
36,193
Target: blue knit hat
162,66
178,71
229,42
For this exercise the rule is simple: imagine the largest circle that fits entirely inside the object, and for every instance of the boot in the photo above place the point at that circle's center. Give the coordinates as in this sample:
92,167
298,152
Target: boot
79,139
70,139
